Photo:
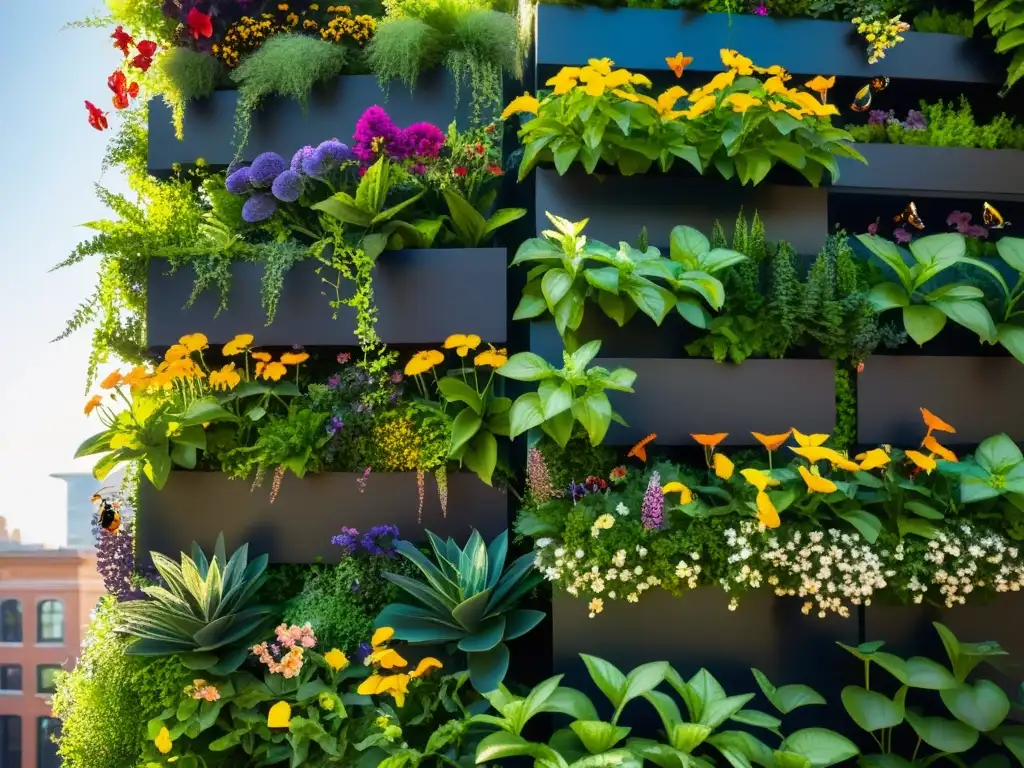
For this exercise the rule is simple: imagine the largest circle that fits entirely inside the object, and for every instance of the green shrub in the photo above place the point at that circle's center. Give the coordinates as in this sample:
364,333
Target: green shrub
186,75
107,699
943,22
948,125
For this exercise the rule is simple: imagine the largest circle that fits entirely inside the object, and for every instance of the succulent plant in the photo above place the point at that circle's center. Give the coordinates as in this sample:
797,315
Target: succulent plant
204,615
469,599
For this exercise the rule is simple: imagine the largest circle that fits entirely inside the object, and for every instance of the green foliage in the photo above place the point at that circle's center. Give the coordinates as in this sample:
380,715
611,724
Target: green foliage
143,19
468,597
155,215
566,396
578,460
944,22
186,75
205,616
948,125
106,699
976,707
996,469
287,66
1003,18
290,442
845,434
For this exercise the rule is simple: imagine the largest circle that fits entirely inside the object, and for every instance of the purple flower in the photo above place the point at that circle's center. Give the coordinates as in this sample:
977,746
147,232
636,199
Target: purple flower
265,168
239,182
577,491
873,227
915,121
421,140
877,117
761,9
375,134
337,151
115,558
975,230
344,357
335,425
397,377
901,235
300,156
260,206
419,169
364,650
652,510
287,186
959,219
348,539
380,539
334,381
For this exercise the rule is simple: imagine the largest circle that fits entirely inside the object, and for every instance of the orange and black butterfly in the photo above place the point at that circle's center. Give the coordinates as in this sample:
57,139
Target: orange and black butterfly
862,99
109,517
992,218
909,216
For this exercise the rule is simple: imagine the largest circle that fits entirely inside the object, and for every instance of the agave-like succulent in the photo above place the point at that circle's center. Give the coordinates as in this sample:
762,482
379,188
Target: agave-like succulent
469,598
204,614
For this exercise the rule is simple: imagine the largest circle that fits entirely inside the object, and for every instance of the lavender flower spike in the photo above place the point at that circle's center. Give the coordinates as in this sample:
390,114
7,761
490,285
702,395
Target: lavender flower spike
652,510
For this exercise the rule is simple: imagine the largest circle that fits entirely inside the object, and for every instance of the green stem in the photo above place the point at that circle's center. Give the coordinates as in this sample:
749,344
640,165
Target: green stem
913,757
867,675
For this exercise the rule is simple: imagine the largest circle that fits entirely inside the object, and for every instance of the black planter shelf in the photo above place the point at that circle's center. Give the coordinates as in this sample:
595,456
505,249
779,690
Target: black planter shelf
569,36
423,296
900,169
281,125
297,527
979,396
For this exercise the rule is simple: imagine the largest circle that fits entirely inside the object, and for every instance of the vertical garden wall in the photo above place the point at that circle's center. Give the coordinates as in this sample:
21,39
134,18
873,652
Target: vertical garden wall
719,318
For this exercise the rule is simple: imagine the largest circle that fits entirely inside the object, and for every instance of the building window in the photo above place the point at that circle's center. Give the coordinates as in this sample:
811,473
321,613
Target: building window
10,741
51,621
10,677
46,748
10,621
45,674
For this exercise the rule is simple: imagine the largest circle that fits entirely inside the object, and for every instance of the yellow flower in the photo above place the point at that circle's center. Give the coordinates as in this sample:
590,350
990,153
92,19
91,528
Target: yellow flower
638,79
173,427
462,343
780,107
123,440
723,466
758,478
94,401
820,85
422,362
767,515
741,102
226,378
805,441
280,715
774,71
737,62
238,344
274,370
927,463
294,358
175,352
524,103
336,659
194,342
425,665
381,636
704,104
685,494
816,483
388,658
934,423
594,81
604,522
873,459
136,377
596,606
939,450
263,357
163,741
495,358
618,78
112,380
564,82
721,80
775,85
601,66
710,441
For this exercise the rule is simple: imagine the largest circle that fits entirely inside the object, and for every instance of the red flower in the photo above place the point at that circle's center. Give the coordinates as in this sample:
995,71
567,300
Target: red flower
97,117
122,40
459,170
199,24
144,59
490,128
123,92
479,149
495,169
860,367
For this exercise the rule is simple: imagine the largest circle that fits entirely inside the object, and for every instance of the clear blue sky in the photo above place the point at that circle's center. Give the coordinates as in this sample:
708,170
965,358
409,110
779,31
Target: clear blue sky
51,158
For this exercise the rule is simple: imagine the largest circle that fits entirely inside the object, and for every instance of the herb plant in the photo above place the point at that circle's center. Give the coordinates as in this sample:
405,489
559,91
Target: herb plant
1003,17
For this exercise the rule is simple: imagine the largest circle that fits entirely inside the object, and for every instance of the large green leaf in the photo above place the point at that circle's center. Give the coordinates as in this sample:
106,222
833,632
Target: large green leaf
487,635
872,710
554,285
203,411
890,254
488,669
464,427
998,454
343,207
597,735
527,412
922,322
821,746
786,698
456,390
526,366
982,706
943,734
98,443
594,412
885,296
970,314
521,621
686,245
607,677
417,625
467,223
481,455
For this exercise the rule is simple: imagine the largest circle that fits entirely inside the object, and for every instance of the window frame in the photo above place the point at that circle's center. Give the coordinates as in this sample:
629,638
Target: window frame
41,623
40,669
20,629
42,747
21,679
5,739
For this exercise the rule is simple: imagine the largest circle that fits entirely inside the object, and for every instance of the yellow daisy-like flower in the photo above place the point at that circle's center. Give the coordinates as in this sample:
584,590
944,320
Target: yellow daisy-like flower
388,658
704,104
938,449
112,380
775,85
685,494
423,361
93,403
741,102
425,665
226,378
381,636
771,442
163,741
927,463
280,715
805,441
601,66
723,466
873,459
462,343
194,342
262,357
820,85
780,107
638,79
758,478
721,80
237,345
595,606
495,358
294,358
767,515
564,81
525,103
618,78
274,371
736,61
816,483
594,81
335,659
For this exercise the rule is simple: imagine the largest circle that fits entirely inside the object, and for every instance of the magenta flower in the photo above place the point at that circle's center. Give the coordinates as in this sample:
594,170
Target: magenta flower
376,134
422,141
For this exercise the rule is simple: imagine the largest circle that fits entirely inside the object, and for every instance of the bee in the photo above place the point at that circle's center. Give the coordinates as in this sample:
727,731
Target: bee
909,216
993,218
109,516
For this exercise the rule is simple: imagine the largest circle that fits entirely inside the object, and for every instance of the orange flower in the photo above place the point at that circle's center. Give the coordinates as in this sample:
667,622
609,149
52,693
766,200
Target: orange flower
767,515
640,449
262,357
820,85
933,422
710,441
274,370
927,463
137,376
939,450
678,63
294,358
175,352
771,442
112,380
94,401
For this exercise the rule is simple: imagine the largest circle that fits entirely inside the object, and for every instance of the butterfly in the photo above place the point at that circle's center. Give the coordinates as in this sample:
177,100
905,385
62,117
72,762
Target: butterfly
109,517
640,449
678,63
909,216
993,218
862,100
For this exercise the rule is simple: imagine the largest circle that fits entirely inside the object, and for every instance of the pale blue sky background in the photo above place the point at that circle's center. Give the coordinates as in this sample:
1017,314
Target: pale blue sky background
51,158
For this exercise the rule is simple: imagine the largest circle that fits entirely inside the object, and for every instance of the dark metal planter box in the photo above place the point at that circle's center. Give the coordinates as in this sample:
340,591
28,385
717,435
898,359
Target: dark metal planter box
298,526
281,125
570,36
619,206
423,296
698,631
979,396
934,171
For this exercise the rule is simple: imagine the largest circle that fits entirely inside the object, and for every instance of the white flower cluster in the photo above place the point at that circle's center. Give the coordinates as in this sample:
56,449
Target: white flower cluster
964,559
582,576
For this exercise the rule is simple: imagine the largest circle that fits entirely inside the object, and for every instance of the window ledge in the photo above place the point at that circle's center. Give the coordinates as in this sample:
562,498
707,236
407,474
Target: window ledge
6,692
12,645
50,644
